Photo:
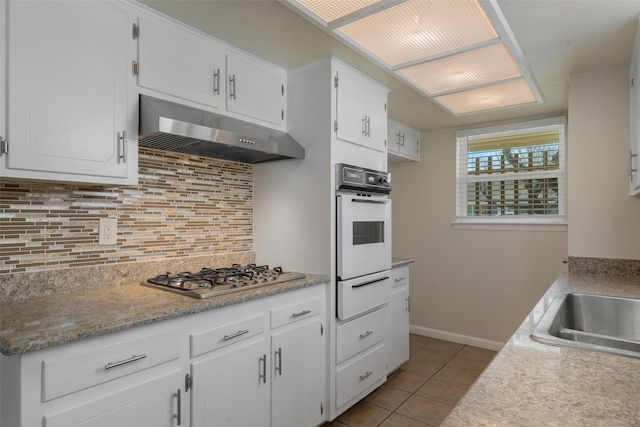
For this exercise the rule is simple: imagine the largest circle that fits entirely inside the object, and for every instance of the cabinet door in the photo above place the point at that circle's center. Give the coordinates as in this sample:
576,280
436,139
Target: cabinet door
255,91
376,112
231,388
398,328
361,109
298,371
69,107
351,119
410,144
634,119
394,136
149,404
177,62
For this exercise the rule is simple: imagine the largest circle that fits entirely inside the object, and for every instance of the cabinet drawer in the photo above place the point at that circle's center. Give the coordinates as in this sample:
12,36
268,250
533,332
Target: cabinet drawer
295,312
229,333
358,375
359,334
399,276
97,365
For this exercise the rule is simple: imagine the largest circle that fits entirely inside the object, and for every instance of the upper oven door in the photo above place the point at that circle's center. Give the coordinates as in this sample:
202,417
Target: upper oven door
364,235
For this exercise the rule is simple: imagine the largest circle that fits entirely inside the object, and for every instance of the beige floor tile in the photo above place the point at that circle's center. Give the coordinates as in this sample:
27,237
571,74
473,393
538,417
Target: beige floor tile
478,354
421,368
397,420
455,377
467,364
442,392
445,346
388,397
426,410
416,342
364,414
433,355
405,381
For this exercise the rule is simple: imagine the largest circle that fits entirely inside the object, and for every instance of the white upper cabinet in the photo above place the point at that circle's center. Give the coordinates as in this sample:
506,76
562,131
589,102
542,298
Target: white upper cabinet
256,90
175,61
361,110
70,112
403,142
634,119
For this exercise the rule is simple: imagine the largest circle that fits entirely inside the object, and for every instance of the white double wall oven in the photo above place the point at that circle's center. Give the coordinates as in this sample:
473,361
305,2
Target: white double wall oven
363,241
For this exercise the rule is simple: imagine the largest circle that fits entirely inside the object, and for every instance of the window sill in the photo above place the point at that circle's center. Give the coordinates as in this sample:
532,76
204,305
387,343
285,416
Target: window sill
508,224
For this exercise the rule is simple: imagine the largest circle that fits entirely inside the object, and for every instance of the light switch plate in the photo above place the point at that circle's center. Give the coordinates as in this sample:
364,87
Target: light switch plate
108,231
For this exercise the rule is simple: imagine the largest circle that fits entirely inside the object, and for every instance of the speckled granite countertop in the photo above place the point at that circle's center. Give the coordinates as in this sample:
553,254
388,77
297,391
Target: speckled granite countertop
534,384
45,321
397,262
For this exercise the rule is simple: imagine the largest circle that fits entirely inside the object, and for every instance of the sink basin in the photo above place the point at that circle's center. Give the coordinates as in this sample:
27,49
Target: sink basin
592,322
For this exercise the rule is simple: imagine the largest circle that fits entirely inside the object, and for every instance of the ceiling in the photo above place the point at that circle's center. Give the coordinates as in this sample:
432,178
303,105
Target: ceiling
557,37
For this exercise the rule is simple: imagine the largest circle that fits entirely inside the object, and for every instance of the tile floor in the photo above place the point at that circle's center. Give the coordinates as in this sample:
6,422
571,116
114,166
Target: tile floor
424,390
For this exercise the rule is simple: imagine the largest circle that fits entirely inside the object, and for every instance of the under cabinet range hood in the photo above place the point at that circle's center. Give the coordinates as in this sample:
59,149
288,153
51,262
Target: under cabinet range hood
169,126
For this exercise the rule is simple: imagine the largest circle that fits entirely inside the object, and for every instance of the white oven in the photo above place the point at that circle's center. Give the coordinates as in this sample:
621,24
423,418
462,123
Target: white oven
364,235
363,243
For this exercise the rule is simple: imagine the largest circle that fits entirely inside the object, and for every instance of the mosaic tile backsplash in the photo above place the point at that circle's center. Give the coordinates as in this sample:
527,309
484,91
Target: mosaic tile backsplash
183,206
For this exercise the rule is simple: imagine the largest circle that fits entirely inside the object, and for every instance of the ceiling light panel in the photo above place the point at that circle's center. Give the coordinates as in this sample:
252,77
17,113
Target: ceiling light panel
420,29
488,98
331,10
472,68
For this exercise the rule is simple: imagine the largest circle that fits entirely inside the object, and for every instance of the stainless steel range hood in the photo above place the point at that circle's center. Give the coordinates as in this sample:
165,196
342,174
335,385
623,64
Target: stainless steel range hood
169,126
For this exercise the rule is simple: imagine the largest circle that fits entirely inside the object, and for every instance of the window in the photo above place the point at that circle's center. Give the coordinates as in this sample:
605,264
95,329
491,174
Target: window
511,175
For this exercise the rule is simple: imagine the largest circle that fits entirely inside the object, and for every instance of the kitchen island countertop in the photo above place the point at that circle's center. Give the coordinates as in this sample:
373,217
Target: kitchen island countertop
533,384
45,321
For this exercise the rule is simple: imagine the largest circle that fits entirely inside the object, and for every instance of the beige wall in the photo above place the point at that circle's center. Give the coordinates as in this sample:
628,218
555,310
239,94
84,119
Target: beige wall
604,221
466,283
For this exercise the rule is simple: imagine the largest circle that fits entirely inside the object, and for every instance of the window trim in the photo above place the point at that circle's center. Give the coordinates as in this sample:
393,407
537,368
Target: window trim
524,222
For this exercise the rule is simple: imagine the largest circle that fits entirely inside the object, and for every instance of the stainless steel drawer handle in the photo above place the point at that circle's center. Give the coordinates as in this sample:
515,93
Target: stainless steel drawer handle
366,375
300,313
125,361
400,279
366,334
237,334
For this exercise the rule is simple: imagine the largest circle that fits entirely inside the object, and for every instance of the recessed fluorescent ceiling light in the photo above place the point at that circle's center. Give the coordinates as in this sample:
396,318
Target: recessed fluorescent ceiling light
460,53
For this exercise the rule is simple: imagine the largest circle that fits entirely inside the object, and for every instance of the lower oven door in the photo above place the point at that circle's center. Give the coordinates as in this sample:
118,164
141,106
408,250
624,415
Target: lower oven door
356,296
364,235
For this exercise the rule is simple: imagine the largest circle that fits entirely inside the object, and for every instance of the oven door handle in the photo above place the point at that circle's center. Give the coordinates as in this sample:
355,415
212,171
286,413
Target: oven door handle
380,202
371,282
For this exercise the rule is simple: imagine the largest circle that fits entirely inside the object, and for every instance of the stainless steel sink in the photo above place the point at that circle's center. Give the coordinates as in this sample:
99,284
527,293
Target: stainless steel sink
592,322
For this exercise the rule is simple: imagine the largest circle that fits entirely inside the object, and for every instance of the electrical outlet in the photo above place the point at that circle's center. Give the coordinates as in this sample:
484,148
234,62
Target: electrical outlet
108,231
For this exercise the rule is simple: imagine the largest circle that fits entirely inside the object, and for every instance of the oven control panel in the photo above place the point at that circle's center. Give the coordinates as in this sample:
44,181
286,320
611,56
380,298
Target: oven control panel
349,177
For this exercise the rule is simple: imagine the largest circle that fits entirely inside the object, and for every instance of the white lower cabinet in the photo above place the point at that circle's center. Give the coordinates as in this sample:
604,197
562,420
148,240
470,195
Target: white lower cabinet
254,375
360,357
253,364
153,403
355,377
398,319
126,379
230,388
298,385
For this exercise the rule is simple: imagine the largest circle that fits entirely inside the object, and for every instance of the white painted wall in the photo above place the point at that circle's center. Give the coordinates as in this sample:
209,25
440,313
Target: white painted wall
604,221
471,284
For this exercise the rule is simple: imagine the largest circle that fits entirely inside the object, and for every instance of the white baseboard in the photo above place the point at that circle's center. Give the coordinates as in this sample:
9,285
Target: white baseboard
460,339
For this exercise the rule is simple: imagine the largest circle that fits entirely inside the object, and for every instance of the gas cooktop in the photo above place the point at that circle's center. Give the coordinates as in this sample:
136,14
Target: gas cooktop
211,282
